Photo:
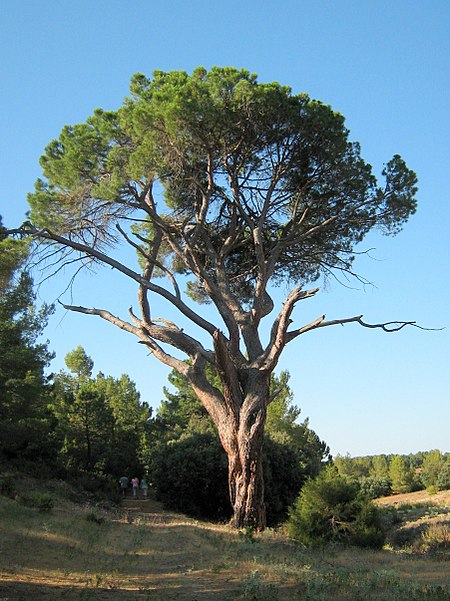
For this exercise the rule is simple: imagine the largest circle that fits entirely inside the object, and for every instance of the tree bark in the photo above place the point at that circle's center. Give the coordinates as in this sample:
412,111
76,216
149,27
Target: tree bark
245,476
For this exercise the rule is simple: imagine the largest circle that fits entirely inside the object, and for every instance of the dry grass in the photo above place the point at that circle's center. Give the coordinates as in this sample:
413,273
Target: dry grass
421,496
142,552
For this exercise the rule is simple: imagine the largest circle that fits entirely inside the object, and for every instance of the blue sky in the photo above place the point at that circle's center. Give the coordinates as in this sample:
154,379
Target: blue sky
384,65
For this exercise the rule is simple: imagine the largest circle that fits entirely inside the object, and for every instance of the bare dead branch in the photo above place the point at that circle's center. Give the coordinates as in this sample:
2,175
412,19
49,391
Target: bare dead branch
388,326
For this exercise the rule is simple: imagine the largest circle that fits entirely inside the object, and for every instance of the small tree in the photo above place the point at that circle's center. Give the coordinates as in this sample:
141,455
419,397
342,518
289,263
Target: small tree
400,474
432,466
235,186
443,479
330,509
380,467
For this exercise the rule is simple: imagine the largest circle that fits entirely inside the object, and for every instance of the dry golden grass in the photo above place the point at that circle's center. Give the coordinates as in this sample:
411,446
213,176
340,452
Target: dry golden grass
142,552
421,496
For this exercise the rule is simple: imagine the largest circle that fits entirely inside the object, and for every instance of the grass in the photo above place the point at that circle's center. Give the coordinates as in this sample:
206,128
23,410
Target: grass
140,552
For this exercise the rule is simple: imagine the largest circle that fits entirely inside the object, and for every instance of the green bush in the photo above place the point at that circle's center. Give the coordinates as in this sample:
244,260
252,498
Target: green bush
329,508
373,488
190,475
7,486
283,479
42,501
97,485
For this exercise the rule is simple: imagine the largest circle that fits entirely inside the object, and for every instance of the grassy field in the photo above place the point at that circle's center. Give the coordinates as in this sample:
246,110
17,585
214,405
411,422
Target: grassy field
139,551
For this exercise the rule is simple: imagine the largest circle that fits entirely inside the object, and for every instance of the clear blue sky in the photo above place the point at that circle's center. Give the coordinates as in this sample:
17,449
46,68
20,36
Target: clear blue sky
383,64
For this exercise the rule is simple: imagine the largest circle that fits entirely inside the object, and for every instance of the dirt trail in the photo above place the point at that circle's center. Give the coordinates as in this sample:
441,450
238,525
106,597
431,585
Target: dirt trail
151,509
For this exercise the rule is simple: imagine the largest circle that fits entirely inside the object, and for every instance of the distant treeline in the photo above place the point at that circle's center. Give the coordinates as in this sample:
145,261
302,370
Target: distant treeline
382,475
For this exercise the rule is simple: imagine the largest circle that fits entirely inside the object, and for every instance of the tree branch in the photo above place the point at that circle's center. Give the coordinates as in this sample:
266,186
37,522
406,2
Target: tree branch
388,326
103,258
278,336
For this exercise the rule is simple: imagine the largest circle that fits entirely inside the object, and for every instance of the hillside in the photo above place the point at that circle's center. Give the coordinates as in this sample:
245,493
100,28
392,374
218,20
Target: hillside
80,550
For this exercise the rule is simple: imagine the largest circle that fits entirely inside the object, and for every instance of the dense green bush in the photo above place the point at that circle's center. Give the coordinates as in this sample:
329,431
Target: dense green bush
283,478
191,475
42,501
329,508
98,485
373,488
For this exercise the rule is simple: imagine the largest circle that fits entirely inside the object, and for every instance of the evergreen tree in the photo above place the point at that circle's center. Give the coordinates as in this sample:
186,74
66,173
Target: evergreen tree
400,474
101,423
25,422
380,467
432,465
237,186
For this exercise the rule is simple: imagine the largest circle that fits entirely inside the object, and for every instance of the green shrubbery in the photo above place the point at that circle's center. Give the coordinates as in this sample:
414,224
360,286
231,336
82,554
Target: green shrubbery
41,501
443,478
373,488
331,509
190,475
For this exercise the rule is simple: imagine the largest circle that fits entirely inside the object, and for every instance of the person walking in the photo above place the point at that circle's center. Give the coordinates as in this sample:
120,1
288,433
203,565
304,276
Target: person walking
123,481
135,486
144,487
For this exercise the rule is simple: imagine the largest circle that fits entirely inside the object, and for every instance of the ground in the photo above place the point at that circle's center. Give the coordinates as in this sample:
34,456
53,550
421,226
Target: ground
140,552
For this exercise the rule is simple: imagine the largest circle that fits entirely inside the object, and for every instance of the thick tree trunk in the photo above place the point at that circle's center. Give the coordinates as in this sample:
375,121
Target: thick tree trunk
245,479
240,423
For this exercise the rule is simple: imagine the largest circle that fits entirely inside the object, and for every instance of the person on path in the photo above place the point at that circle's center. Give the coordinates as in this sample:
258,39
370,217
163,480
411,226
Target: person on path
144,487
123,481
135,486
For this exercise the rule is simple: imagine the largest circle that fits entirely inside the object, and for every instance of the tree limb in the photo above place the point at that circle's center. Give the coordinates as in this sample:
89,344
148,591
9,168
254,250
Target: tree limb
388,326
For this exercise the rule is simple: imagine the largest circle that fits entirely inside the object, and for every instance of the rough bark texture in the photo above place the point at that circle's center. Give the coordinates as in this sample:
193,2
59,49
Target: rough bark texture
245,476
239,413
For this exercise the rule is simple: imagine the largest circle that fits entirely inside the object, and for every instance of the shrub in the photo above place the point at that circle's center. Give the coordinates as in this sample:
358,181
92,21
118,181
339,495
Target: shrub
190,475
7,486
330,509
436,537
254,588
97,485
95,518
283,479
372,487
42,501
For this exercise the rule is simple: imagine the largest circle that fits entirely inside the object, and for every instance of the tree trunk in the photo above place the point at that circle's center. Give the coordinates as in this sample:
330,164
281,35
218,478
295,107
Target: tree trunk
245,478
239,414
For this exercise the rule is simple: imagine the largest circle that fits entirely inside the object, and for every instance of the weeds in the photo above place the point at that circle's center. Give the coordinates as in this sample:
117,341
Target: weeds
95,518
247,534
381,585
436,536
254,588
